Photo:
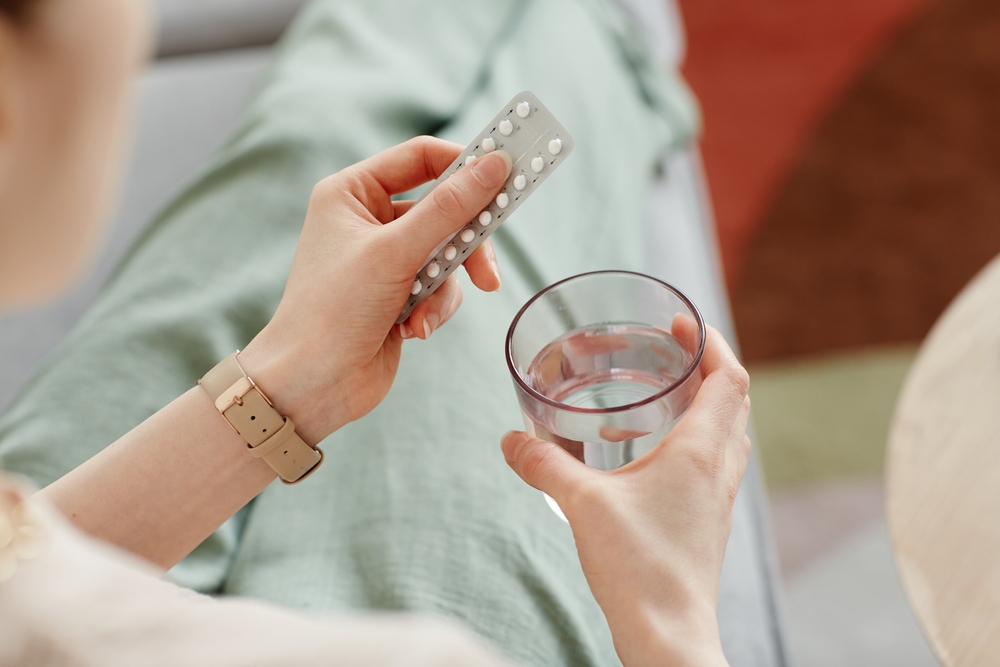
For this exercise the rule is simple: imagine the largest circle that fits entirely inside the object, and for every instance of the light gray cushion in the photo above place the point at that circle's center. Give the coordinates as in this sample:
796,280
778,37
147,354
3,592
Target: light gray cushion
194,26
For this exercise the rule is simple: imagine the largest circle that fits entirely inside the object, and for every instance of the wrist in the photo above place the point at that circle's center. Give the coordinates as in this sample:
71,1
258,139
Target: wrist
289,379
652,638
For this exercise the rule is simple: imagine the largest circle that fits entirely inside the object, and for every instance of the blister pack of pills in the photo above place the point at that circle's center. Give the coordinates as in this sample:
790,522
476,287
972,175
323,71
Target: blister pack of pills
537,144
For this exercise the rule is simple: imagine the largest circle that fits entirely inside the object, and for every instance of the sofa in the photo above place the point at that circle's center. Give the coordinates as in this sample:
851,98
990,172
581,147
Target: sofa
210,56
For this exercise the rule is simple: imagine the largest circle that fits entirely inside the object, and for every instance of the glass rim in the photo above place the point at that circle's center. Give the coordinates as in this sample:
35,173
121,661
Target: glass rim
691,367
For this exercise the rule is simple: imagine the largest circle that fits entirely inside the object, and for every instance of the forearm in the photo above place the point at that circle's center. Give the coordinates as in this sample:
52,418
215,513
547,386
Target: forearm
165,486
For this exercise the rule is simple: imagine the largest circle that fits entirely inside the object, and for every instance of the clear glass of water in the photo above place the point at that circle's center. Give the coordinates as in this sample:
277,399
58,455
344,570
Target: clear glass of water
605,363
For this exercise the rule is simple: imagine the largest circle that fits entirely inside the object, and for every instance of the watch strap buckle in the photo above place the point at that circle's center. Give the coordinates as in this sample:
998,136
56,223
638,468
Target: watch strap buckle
250,413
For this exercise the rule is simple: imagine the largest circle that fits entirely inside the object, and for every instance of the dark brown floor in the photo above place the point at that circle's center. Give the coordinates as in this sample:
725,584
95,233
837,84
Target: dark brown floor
895,204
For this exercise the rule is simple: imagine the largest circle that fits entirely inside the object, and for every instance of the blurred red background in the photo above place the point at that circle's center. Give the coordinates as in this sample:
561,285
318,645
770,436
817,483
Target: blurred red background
766,72
853,156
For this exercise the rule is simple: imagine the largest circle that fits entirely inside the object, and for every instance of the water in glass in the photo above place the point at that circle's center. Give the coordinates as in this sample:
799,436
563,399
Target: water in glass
606,366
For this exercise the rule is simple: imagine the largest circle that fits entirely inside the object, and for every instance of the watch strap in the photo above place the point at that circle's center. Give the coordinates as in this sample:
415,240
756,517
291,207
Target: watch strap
268,434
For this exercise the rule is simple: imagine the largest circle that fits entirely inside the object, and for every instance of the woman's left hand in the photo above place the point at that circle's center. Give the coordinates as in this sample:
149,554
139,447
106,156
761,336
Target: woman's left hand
651,535
331,351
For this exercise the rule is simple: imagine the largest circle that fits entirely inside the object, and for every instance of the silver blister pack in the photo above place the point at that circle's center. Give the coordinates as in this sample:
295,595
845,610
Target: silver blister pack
537,144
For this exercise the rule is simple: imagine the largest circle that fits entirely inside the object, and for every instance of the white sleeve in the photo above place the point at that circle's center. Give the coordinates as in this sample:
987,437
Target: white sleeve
82,602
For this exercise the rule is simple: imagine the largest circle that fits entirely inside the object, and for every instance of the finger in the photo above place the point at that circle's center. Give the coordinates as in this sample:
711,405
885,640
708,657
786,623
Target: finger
401,206
719,401
740,424
482,267
448,311
718,354
743,457
409,164
685,329
544,465
738,439
436,309
449,207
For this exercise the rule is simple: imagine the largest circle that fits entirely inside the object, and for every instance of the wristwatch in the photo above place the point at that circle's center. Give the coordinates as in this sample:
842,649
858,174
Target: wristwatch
250,413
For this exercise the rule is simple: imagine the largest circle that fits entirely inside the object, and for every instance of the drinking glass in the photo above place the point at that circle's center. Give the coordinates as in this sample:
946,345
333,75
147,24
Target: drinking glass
605,363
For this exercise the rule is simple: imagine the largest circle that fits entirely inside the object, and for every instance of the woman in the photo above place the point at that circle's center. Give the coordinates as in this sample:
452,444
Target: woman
326,359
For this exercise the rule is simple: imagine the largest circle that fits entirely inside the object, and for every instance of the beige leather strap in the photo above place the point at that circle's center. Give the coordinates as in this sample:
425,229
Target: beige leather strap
250,413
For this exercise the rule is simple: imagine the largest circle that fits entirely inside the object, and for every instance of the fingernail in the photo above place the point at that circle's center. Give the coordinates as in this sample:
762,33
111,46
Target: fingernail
405,331
491,172
430,324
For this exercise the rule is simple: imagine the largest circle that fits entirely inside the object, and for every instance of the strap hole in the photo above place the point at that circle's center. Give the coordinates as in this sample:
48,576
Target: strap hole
265,430
286,451
252,417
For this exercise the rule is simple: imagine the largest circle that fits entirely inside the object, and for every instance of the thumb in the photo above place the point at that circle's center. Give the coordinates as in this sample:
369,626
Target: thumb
451,205
543,464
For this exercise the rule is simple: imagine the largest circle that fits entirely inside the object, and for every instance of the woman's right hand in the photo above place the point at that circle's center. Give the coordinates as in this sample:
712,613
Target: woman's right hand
330,353
651,535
